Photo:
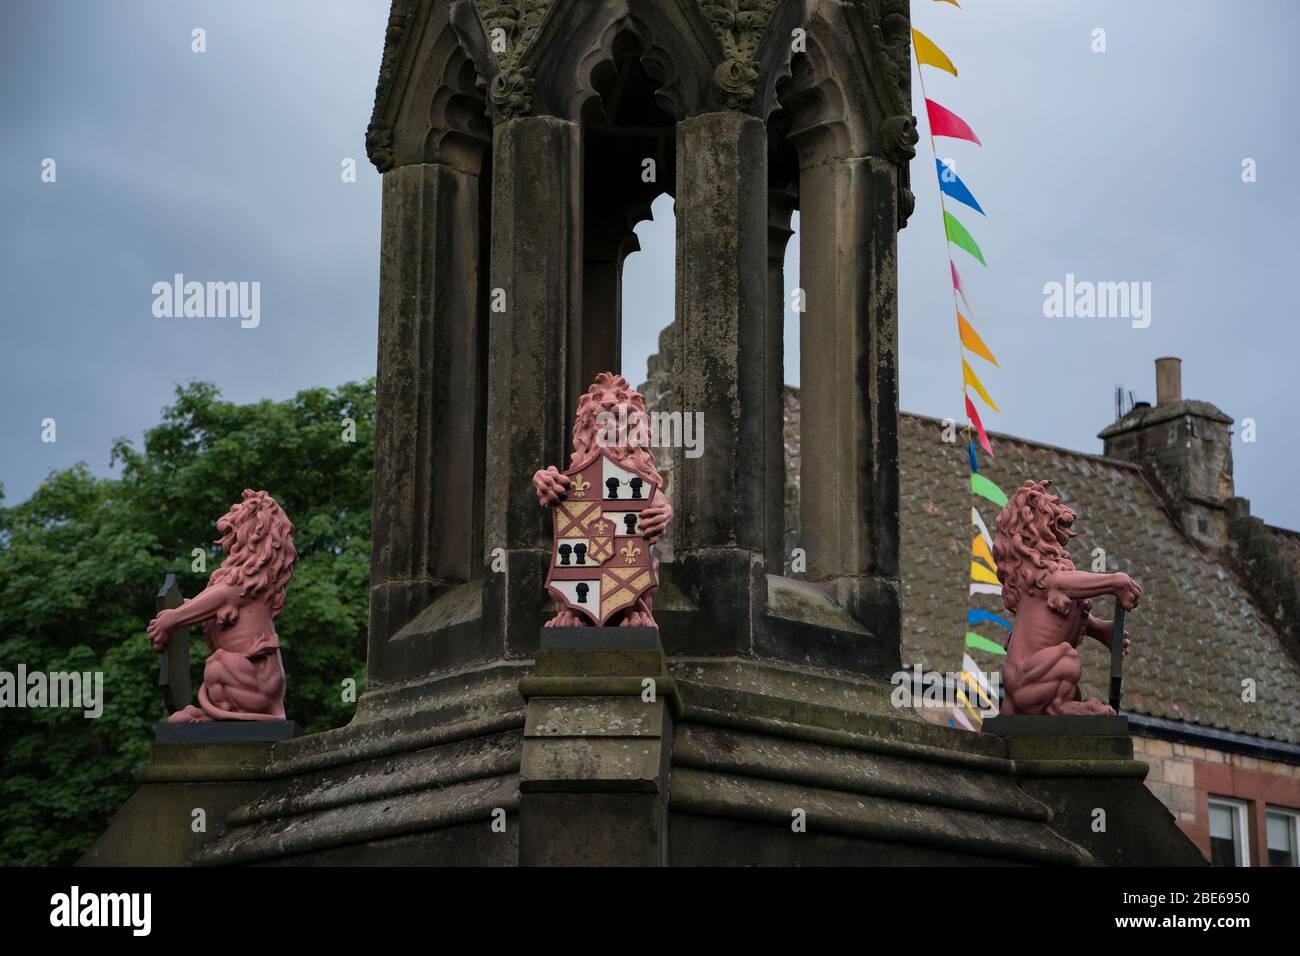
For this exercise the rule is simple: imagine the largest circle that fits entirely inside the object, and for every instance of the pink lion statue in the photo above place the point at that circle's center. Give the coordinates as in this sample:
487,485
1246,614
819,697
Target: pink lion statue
243,677
611,417
1049,598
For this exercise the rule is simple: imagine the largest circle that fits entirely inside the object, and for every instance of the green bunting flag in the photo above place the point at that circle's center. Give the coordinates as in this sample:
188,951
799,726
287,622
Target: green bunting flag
983,644
986,489
959,237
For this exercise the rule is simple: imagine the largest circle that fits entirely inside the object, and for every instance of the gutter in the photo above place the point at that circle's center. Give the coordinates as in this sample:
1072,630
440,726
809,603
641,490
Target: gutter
1158,728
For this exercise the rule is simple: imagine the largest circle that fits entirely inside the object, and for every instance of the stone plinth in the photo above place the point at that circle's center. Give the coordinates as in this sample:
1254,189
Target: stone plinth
593,778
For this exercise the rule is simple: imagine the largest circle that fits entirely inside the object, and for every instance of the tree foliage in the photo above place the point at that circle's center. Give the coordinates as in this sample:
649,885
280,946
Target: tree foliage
82,559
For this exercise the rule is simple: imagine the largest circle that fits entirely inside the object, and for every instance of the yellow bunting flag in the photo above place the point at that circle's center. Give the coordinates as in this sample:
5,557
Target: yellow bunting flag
980,573
971,379
927,54
981,550
972,341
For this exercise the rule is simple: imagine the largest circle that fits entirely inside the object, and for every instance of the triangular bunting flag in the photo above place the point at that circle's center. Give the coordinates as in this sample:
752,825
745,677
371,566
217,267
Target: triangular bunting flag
983,644
944,122
986,489
969,377
927,54
950,184
956,284
971,669
971,339
981,550
977,617
959,237
978,690
979,572
974,417
978,522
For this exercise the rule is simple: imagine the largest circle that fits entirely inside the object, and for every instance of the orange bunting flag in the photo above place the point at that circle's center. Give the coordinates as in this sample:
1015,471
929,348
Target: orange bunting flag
970,378
971,339
980,549
927,54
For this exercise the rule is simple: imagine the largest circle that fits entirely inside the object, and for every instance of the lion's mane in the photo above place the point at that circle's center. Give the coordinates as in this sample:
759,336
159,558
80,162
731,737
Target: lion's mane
258,537
1026,549
635,457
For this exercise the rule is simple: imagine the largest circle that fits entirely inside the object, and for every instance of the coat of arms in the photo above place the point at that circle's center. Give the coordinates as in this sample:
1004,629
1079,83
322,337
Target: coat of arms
607,510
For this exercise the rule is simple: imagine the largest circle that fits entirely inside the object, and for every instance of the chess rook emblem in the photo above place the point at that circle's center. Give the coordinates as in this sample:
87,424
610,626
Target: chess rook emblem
1051,601
243,677
607,509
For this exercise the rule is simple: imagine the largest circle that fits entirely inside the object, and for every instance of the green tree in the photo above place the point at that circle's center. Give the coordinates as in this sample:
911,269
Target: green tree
83,557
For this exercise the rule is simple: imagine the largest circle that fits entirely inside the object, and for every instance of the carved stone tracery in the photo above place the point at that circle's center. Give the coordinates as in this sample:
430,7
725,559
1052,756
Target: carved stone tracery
511,27
740,25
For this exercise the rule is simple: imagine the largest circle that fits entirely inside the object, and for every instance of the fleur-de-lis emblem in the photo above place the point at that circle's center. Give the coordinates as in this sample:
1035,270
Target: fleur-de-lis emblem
601,528
580,487
630,552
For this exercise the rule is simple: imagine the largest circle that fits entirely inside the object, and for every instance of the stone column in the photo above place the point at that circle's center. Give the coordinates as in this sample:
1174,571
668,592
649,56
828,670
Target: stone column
848,260
428,502
780,207
720,369
533,369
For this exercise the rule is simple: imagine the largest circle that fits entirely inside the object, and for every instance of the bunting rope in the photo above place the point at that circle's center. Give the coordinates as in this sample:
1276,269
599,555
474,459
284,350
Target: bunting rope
974,684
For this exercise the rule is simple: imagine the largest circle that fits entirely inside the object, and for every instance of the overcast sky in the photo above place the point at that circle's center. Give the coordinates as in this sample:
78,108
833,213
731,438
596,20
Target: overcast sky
1123,165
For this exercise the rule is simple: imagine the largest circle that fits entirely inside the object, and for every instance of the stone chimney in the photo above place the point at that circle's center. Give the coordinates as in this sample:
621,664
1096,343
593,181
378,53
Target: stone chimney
1187,446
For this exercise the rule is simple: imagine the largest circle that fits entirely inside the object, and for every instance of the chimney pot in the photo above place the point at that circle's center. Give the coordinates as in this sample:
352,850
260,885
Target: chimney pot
1169,380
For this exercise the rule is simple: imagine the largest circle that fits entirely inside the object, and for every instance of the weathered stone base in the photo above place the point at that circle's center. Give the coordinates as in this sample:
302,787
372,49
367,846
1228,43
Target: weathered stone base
575,759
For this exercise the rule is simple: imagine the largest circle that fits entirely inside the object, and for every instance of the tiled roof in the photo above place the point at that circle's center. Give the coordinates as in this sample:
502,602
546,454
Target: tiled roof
1196,635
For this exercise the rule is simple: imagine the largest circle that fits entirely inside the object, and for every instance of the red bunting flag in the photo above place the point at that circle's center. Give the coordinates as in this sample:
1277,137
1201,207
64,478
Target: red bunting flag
944,122
974,418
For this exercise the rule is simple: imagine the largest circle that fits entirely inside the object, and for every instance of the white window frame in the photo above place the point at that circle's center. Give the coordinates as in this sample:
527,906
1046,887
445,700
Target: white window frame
1238,808
1294,817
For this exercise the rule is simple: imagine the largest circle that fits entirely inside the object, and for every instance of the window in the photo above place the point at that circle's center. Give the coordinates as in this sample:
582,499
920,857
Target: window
1228,846
1283,832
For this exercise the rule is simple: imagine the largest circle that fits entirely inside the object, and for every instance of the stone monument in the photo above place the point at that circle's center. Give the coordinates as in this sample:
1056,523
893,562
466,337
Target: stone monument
520,141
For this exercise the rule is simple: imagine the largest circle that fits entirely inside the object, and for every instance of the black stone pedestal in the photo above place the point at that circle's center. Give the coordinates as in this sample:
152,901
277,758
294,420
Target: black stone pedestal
599,638
226,732
1044,725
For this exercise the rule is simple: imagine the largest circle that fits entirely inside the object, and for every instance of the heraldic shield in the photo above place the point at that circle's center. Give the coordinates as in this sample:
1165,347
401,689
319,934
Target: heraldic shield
600,563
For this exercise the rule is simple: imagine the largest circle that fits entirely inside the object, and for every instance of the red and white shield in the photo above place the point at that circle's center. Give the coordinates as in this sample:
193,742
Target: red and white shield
600,563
